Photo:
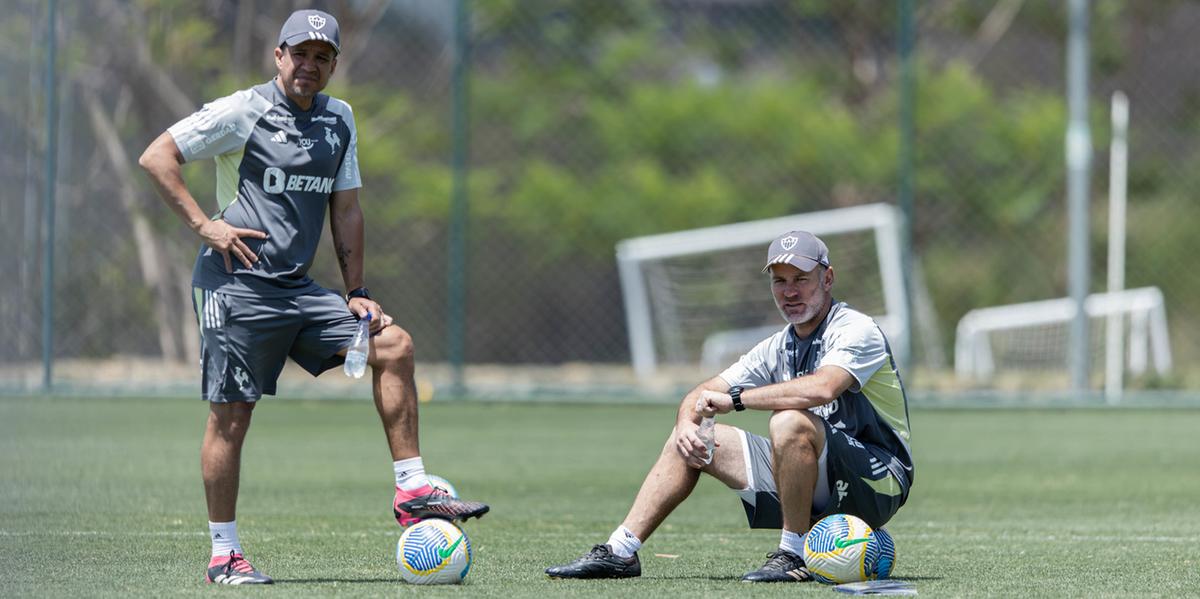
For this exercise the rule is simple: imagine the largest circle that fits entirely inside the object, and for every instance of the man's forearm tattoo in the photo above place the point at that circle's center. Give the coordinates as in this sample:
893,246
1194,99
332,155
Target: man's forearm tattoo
343,253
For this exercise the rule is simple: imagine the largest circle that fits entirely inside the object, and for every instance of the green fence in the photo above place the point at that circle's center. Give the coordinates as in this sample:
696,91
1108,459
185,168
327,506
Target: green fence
585,123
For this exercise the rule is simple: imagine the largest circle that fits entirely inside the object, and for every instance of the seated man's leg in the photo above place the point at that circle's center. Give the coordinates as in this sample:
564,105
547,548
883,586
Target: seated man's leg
669,482
797,448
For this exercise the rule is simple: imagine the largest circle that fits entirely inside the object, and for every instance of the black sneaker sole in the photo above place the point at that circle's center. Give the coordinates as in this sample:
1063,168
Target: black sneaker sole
457,517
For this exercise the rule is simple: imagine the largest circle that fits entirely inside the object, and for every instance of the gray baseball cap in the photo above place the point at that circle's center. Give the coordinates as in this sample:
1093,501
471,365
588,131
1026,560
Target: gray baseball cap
798,248
305,25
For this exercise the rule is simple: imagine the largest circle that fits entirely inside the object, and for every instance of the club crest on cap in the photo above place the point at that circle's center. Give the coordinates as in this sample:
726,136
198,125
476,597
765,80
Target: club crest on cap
317,21
788,242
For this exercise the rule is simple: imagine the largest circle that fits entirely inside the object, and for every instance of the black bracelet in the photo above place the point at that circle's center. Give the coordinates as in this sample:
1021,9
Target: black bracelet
357,292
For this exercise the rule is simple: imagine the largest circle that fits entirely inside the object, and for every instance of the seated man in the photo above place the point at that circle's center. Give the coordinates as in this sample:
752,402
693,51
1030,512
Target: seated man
839,434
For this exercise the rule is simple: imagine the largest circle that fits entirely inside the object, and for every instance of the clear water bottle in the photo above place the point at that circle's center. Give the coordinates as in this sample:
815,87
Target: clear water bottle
356,356
708,435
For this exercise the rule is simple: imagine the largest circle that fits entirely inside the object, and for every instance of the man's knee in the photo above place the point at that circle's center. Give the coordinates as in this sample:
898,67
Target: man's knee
796,428
393,346
232,418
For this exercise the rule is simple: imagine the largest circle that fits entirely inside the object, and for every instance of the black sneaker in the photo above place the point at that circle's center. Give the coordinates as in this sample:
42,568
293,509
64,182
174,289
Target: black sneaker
433,503
600,562
234,569
781,566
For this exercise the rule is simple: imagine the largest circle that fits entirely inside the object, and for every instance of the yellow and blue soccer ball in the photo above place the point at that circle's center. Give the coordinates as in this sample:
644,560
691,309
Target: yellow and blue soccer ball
842,548
433,552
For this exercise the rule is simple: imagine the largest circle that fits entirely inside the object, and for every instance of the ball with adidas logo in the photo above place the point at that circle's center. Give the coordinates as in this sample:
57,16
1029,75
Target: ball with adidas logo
433,552
842,548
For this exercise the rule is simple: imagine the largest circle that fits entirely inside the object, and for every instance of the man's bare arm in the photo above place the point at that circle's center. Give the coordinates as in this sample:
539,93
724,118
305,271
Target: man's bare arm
163,163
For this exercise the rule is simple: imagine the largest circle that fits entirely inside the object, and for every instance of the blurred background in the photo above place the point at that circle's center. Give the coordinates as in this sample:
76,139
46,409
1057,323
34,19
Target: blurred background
508,147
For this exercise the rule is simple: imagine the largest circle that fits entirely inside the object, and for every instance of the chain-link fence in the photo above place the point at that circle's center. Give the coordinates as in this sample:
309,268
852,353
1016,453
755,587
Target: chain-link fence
591,122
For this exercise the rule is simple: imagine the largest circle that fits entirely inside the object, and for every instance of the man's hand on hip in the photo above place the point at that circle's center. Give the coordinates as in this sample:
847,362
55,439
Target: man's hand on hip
227,239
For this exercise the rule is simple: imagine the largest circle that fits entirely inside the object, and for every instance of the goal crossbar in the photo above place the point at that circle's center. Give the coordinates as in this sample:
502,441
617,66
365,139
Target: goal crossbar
631,253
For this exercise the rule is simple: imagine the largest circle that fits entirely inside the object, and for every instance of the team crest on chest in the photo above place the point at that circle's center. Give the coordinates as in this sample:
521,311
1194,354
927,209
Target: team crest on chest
332,139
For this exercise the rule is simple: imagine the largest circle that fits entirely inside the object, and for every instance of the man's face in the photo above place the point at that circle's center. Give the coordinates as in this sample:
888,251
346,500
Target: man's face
799,295
304,69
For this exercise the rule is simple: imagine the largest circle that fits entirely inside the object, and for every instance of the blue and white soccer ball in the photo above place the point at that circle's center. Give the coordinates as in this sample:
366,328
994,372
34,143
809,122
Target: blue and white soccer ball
842,548
433,552
440,483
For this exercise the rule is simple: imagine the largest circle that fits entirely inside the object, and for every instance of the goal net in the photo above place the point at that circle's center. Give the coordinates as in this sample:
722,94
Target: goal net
697,297
991,343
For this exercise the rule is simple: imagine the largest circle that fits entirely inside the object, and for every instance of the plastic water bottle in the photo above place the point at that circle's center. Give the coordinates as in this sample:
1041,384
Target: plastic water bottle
708,435
356,356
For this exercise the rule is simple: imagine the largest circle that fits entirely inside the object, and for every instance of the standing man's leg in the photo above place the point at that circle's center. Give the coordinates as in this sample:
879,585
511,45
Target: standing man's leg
395,391
220,465
221,457
669,482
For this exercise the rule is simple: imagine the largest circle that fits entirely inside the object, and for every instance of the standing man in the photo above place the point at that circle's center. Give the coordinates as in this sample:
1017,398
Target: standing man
285,153
839,429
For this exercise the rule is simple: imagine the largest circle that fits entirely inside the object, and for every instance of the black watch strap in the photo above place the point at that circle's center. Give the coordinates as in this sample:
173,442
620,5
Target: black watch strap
358,292
735,393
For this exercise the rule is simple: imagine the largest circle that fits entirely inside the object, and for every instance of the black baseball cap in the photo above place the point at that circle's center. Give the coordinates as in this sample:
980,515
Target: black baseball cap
305,25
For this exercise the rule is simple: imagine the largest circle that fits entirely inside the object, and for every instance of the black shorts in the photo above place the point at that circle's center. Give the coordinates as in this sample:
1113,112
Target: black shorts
857,481
245,341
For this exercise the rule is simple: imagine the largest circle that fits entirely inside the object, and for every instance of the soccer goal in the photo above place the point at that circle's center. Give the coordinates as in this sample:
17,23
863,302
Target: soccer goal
1033,336
697,297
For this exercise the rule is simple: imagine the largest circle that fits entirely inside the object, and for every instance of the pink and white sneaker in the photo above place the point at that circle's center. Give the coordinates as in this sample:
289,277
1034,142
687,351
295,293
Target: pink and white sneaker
411,507
234,569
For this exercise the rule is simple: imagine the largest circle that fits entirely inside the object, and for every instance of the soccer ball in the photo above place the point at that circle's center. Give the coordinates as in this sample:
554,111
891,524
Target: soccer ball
443,485
433,552
842,548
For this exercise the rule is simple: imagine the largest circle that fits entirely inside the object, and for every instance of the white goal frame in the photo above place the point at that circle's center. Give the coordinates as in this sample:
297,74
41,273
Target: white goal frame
1149,335
884,219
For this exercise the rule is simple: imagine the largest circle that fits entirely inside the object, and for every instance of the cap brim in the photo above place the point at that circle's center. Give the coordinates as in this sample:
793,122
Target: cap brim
300,38
801,262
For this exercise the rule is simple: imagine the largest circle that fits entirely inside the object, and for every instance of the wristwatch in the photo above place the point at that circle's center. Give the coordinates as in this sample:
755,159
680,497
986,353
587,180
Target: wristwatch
735,393
357,292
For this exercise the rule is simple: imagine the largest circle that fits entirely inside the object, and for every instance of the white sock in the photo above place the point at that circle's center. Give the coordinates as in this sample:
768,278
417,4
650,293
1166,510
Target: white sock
623,542
791,541
224,538
410,474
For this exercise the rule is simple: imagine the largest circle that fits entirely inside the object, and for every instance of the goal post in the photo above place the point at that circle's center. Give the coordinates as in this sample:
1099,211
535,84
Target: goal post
699,291
1032,335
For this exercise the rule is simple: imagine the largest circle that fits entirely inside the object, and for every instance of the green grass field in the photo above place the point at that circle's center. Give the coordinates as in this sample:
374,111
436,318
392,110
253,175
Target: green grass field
103,497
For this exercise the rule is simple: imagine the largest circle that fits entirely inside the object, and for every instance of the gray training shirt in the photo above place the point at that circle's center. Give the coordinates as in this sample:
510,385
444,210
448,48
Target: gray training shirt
276,168
873,410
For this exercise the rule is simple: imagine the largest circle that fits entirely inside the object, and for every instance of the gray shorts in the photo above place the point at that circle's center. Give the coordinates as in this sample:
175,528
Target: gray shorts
855,481
244,341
